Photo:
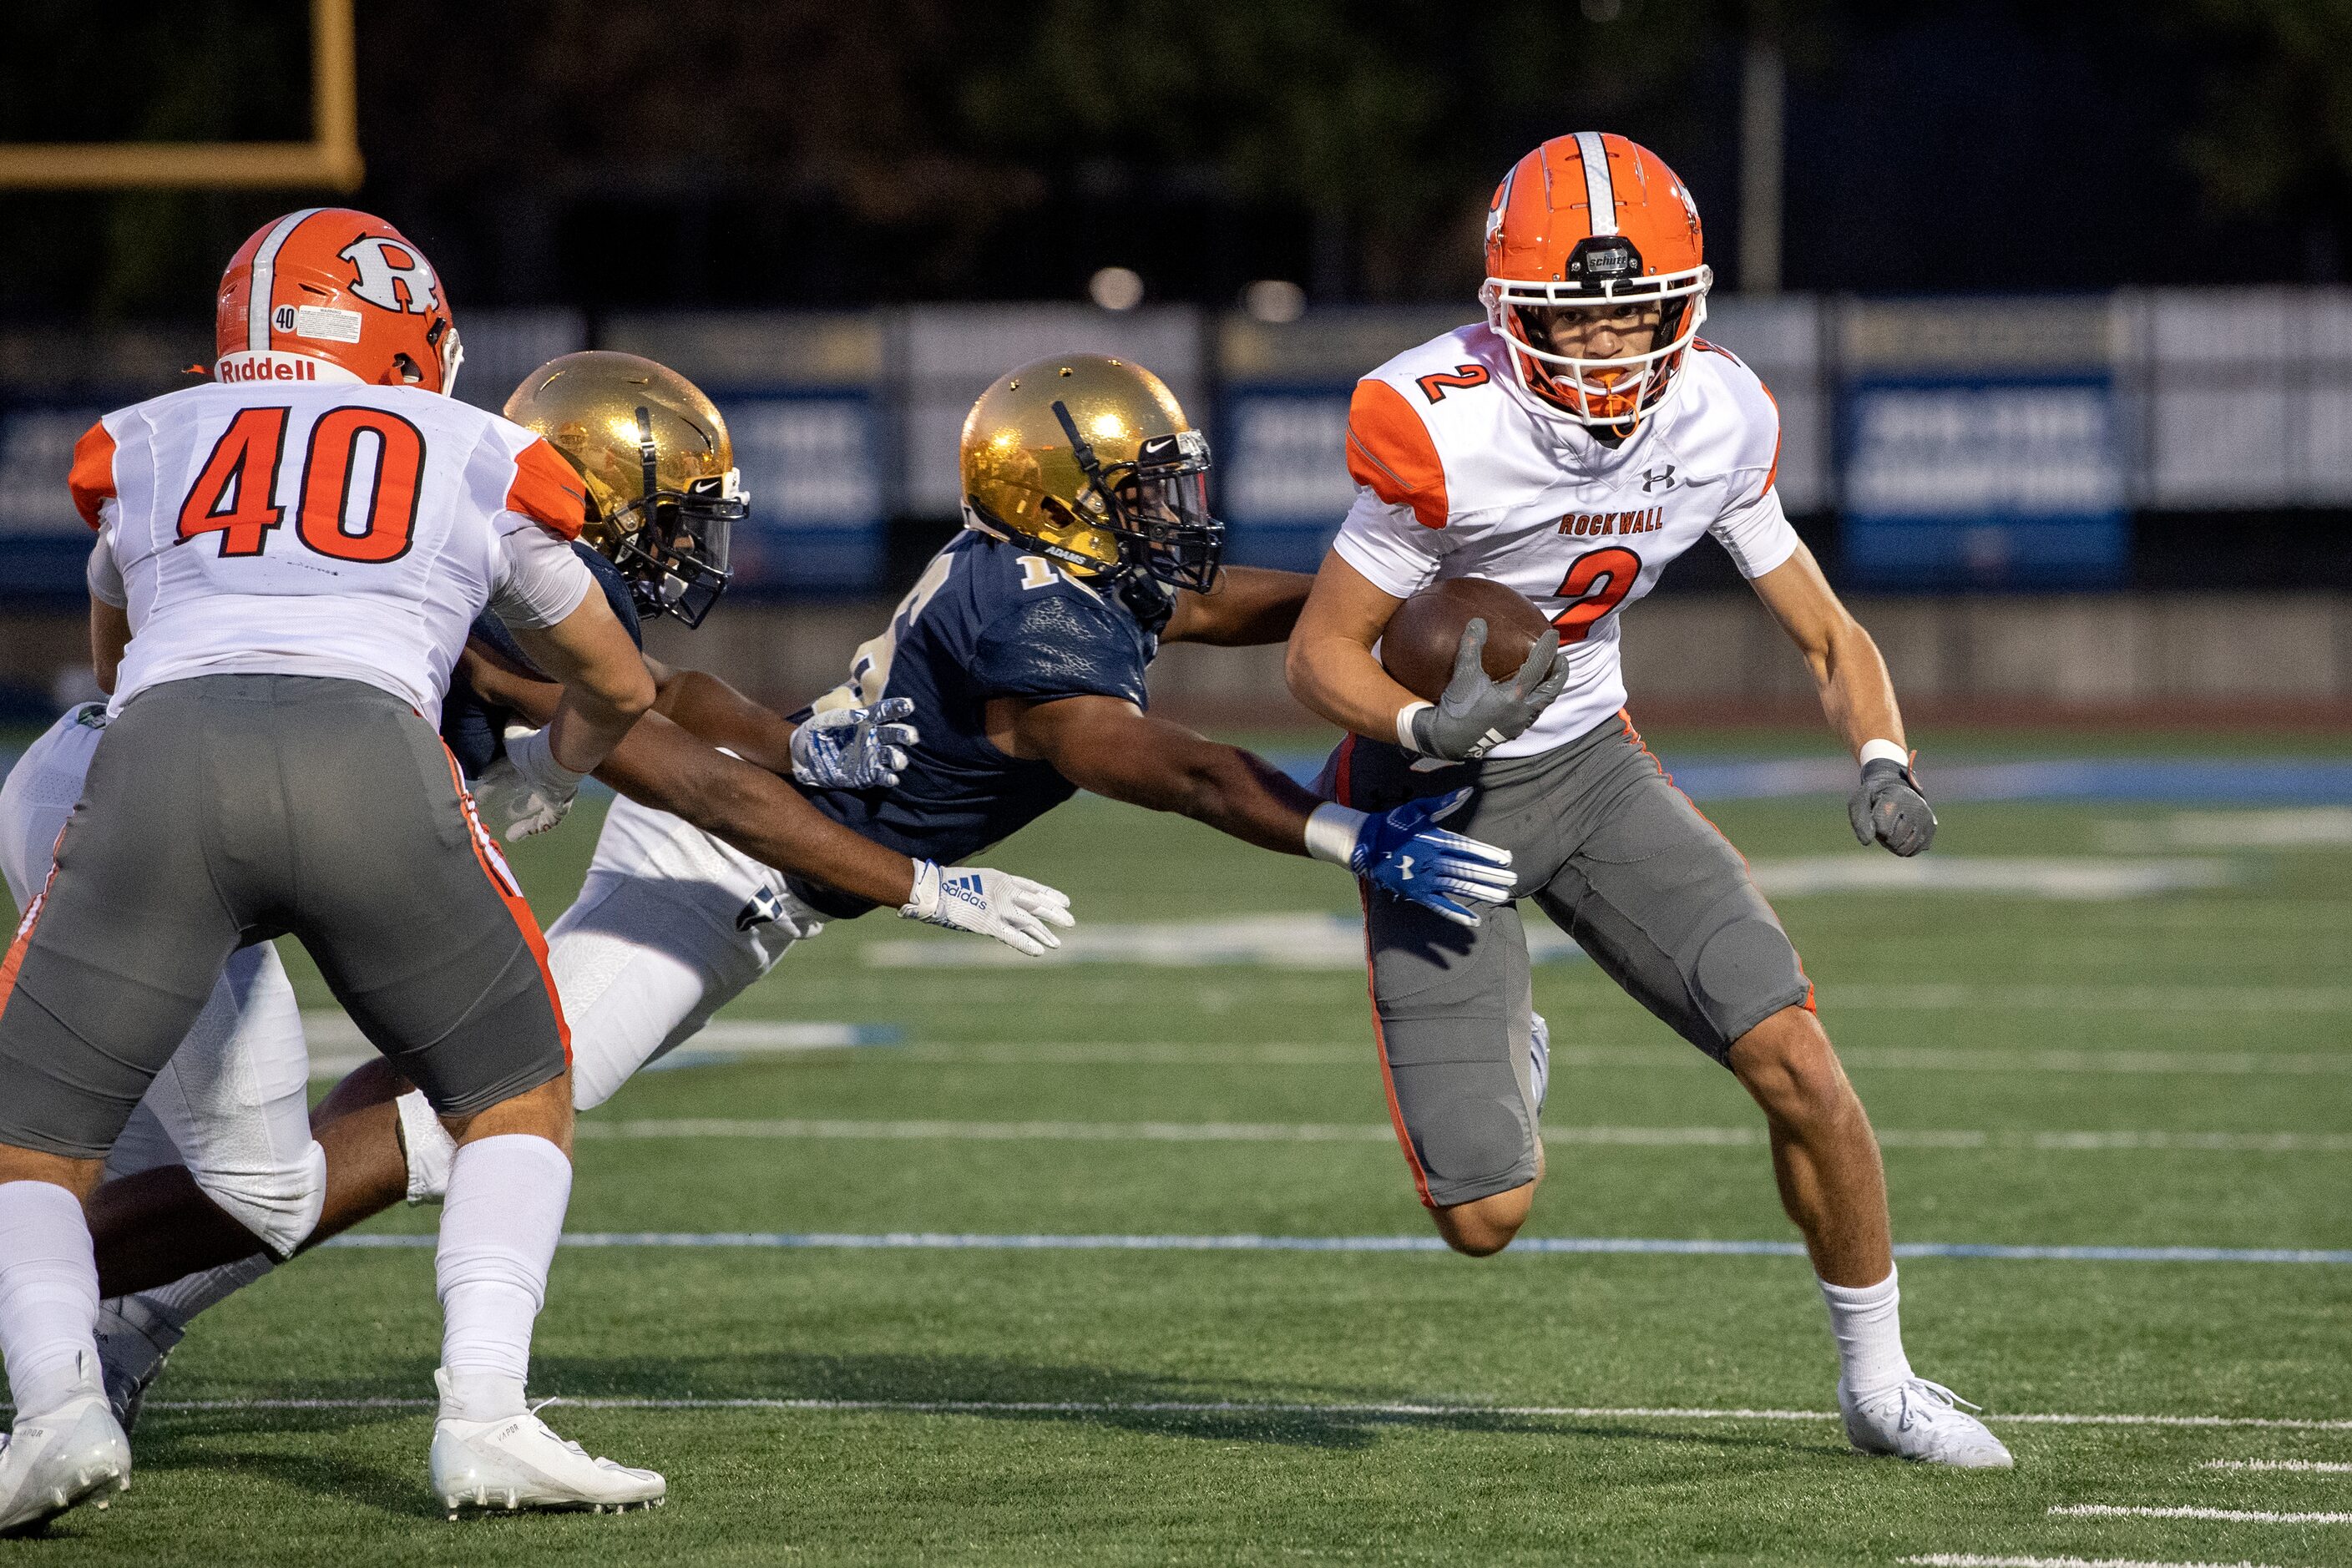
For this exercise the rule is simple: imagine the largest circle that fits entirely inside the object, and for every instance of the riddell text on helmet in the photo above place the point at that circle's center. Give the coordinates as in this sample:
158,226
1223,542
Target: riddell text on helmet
269,369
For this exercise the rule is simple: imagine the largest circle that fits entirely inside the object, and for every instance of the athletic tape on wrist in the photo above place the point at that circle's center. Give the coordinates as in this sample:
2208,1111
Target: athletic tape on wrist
1883,751
1404,724
1331,832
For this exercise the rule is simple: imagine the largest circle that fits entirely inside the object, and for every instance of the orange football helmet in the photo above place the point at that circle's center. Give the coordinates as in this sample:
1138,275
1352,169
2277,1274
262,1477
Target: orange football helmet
330,294
1584,219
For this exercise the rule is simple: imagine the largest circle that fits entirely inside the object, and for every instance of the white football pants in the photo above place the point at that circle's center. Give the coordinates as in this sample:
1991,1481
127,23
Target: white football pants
231,1105
670,926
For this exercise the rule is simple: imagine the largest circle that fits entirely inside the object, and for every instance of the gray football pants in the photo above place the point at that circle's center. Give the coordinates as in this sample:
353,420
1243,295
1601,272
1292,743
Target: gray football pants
227,809
1620,859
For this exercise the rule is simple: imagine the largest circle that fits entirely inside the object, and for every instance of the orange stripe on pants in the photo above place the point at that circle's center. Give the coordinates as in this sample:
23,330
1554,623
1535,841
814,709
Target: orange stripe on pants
502,878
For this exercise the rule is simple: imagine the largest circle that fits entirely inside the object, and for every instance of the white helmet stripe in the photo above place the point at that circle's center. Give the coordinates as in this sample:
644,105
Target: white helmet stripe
1599,191
264,279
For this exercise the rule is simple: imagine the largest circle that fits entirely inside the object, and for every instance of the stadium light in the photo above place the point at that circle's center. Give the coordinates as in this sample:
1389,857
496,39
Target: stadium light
330,158
1274,300
1116,288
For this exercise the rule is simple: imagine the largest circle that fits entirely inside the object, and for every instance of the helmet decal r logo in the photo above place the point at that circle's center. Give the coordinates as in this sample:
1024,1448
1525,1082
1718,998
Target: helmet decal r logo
391,276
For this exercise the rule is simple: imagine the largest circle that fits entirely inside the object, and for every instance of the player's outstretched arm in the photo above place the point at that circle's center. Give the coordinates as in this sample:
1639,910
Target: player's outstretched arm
658,764
1888,806
702,704
1111,747
1250,605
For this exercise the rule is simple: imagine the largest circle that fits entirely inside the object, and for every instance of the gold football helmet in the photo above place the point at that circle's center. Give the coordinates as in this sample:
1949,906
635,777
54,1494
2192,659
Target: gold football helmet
662,489
1090,461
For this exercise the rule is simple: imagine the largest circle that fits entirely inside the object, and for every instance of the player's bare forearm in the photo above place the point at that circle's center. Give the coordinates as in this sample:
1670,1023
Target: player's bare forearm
707,707
606,684
660,766
1102,745
1857,694
1330,665
658,763
1251,606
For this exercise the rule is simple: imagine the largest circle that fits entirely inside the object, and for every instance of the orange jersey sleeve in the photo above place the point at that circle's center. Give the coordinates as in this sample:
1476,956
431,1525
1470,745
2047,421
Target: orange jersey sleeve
91,478
548,490
1389,450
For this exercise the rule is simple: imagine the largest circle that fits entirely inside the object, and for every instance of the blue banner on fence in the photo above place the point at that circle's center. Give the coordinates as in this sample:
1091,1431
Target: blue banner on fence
1984,482
42,541
820,512
1282,474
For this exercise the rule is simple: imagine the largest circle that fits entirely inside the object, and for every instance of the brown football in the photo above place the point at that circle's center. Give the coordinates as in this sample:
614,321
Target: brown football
1418,646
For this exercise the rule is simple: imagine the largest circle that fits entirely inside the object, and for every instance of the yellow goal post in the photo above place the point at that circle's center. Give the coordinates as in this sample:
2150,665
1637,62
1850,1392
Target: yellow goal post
330,159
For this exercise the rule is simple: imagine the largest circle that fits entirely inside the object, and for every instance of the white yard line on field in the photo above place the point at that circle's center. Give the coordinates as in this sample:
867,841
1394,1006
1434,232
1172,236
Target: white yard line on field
2301,1467
1588,1245
1390,1411
799,1128
2096,998
1900,1059
1971,1559
2226,1515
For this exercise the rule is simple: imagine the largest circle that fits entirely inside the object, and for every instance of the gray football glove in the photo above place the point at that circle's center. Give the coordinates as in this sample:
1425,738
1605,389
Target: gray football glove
1473,715
1888,808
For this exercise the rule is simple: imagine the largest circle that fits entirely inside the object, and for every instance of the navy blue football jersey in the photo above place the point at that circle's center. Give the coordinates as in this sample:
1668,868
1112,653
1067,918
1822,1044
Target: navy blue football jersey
472,728
985,620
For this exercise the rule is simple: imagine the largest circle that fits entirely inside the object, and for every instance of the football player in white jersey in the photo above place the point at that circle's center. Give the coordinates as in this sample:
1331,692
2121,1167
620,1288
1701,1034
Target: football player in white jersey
1571,445
295,550
219,1158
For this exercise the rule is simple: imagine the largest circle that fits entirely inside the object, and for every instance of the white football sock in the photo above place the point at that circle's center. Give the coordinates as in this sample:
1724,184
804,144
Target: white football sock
1865,1321
174,1306
498,1229
49,1295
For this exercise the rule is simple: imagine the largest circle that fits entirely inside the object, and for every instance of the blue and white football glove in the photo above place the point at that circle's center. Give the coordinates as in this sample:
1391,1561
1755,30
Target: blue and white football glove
854,748
1401,852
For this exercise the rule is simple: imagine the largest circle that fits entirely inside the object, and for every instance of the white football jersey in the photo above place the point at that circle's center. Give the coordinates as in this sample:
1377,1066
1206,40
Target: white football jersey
314,529
1459,478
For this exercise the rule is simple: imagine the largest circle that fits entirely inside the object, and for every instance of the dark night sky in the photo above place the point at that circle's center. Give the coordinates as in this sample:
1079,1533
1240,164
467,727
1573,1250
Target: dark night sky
711,152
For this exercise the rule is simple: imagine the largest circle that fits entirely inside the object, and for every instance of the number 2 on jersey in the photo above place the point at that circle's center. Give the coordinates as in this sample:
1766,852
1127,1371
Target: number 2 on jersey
1598,581
232,495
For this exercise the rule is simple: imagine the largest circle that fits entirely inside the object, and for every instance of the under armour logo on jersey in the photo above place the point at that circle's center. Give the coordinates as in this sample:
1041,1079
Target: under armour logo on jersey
763,909
391,275
1657,478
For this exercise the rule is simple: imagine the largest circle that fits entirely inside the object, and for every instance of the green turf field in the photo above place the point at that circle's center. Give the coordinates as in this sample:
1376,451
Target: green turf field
2168,1069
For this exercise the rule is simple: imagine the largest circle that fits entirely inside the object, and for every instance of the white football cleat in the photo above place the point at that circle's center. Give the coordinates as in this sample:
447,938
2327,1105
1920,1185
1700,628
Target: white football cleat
51,1461
134,1343
517,1462
1923,1421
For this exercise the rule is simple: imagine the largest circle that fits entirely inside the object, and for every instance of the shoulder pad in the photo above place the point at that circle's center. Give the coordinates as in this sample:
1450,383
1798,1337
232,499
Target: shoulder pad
1725,419
1391,454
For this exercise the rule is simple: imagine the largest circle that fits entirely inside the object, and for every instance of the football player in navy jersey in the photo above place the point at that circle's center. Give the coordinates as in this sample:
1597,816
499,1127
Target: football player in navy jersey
1019,656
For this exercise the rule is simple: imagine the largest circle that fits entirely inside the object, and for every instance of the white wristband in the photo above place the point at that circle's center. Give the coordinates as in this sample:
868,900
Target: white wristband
533,756
1883,751
1405,725
1331,833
